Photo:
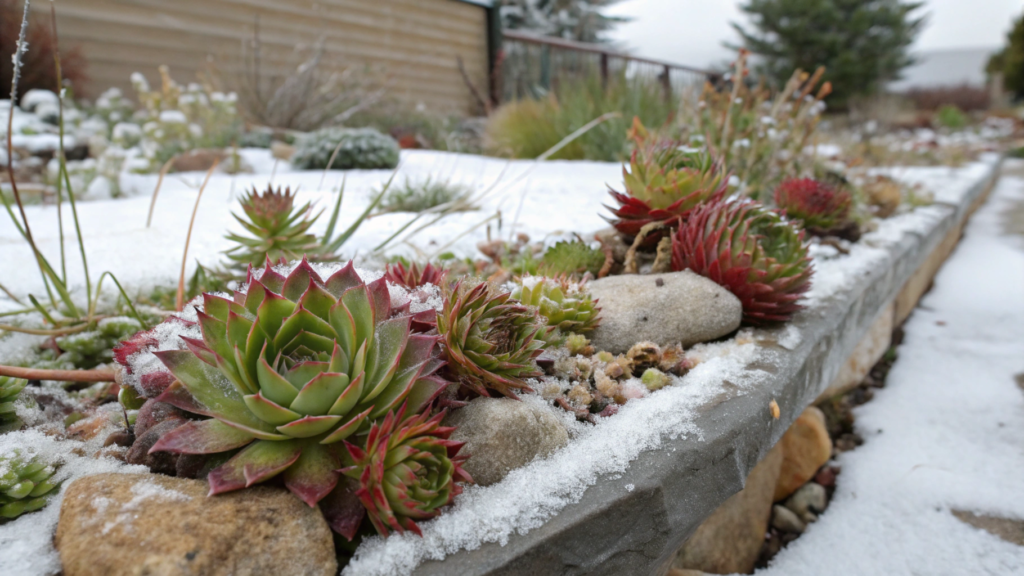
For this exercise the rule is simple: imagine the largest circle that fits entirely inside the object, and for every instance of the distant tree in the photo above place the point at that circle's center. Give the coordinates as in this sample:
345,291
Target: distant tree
1010,60
862,43
580,20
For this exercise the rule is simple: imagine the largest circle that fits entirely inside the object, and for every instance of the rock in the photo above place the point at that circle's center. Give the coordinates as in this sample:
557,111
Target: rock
160,462
674,308
807,446
826,477
502,434
281,151
198,160
141,524
730,539
807,501
684,572
785,520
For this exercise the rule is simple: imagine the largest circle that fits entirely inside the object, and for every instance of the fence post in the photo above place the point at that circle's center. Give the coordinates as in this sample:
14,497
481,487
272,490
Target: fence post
545,67
604,70
666,82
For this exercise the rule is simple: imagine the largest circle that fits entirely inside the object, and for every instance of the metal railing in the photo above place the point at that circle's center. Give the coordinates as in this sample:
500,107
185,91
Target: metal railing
531,64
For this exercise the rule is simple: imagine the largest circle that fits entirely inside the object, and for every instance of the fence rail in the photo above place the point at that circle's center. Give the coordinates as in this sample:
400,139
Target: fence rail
532,64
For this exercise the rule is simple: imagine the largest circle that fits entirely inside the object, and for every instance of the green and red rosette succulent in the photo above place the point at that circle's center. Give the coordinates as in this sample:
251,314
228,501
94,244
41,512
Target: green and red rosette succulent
289,371
822,209
407,471
280,231
750,250
491,340
565,306
663,184
413,277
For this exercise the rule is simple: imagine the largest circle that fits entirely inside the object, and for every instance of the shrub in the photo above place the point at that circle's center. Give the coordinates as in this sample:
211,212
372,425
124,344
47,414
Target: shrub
527,128
949,116
417,196
357,148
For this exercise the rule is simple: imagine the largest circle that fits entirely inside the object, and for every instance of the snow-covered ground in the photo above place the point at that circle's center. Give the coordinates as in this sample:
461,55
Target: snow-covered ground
947,432
549,197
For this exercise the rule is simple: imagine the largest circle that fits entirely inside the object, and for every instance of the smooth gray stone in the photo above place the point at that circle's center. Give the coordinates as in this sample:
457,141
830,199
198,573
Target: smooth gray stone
672,308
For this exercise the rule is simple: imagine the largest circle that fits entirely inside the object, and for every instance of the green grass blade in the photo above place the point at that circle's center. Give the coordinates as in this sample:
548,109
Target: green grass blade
337,243
337,211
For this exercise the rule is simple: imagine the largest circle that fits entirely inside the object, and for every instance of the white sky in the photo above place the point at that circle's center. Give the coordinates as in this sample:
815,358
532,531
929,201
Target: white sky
692,31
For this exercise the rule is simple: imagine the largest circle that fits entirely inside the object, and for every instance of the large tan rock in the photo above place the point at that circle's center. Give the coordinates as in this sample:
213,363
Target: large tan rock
806,447
153,525
730,539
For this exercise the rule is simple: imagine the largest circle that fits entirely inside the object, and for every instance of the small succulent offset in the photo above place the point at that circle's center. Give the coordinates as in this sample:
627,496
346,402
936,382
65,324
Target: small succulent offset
288,370
94,347
664,184
491,340
279,229
414,277
575,258
9,390
750,250
26,484
407,471
566,306
364,148
822,208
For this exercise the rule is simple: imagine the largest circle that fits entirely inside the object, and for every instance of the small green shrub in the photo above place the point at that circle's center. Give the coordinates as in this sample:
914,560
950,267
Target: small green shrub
951,117
528,128
417,196
364,148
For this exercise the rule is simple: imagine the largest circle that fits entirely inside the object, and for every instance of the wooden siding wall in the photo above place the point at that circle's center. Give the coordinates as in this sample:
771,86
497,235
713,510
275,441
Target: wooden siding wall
413,43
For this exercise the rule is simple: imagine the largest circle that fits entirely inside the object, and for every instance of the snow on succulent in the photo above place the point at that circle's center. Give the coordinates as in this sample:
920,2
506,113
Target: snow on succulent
820,207
25,484
290,369
663,184
750,250
566,306
279,230
9,390
407,471
491,340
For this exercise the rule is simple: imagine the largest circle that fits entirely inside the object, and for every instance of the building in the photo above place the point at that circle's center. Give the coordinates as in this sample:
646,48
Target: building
414,45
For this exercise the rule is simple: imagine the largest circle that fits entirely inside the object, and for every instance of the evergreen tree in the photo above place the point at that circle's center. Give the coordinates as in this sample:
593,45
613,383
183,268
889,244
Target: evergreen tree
579,20
1010,60
862,43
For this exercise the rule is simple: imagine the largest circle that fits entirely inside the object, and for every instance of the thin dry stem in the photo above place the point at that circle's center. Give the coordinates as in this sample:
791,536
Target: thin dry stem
179,300
156,191
99,375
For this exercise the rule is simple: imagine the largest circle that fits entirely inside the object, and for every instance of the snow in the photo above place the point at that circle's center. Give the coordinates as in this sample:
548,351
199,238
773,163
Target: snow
947,432
27,542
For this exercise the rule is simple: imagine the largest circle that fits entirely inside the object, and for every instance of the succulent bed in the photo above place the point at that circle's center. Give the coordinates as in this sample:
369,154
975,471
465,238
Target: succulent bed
340,378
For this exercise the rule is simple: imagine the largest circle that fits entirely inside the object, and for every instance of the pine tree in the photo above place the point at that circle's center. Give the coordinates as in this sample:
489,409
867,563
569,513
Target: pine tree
579,20
862,44
1010,60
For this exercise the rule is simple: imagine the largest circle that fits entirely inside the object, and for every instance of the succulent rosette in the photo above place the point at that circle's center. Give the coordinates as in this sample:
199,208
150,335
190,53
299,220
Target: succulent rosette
9,390
288,370
820,207
414,277
407,471
566,306
279,230
664,184
26,484
491,340
750,250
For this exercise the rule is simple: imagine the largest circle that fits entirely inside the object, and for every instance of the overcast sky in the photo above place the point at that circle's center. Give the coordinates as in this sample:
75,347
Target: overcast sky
692,31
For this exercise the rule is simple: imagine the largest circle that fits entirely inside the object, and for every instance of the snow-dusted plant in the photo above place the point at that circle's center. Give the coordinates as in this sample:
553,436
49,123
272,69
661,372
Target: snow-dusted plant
356,148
